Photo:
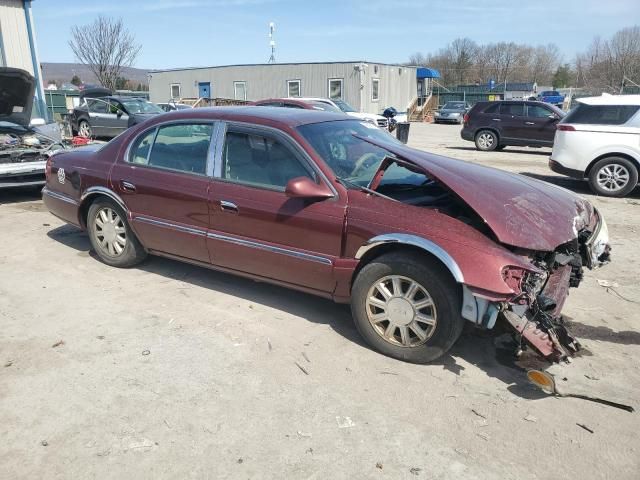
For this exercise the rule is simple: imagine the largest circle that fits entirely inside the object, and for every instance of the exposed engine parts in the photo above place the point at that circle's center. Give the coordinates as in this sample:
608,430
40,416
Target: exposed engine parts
27,147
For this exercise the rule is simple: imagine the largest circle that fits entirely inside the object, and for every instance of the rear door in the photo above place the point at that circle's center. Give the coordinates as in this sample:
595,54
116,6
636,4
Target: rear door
256,228
540,124
164,183
512,118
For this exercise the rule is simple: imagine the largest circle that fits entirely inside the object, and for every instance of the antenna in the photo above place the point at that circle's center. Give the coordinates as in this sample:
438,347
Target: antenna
272,42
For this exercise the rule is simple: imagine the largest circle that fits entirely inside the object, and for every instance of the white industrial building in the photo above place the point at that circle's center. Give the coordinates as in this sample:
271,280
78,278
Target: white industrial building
367,86
18,44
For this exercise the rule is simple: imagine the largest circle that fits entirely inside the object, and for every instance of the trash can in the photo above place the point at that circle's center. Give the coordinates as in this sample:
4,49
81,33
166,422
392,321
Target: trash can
402,131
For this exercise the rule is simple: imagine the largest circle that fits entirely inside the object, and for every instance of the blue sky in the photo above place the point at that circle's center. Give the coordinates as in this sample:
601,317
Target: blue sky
183,33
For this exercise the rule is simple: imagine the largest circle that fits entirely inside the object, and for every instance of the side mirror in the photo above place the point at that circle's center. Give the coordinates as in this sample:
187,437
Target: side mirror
304,187
119,113
553,117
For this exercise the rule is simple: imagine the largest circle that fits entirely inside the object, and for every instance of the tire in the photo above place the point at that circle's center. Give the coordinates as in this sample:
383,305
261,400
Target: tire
613,177
115,244
499,148
84,129
433,282
486,140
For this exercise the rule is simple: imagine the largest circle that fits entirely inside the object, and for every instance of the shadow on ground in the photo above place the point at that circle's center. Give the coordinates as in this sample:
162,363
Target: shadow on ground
19,195
507,150
491,351
573,184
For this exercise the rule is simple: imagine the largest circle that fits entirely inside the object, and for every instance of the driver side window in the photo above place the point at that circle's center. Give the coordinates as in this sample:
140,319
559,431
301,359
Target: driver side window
260,161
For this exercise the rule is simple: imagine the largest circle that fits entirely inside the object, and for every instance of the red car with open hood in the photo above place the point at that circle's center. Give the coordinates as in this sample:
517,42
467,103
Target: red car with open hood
331,205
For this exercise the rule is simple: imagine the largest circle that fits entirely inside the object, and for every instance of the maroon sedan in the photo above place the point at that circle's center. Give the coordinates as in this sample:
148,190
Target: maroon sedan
333,206
307,104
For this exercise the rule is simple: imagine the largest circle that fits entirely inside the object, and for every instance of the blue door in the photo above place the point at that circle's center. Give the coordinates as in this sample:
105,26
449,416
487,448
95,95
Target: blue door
204,89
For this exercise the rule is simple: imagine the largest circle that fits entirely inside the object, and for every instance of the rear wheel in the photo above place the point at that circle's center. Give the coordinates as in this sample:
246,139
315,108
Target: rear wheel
407,306
84,129
613,177
486,140
500,147
111,237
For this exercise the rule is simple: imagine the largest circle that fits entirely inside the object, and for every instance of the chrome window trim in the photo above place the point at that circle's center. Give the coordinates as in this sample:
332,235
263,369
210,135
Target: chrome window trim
416,241
60,196
236,241
288,140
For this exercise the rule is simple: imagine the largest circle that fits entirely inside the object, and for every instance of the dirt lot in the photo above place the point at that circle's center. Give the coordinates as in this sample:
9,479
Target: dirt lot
174,371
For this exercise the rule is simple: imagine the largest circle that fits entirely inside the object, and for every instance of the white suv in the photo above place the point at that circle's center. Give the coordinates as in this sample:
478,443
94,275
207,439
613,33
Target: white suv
600,140
379,120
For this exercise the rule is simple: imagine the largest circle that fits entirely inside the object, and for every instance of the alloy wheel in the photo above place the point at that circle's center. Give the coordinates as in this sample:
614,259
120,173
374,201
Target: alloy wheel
84,129
485,140
401,311
613,177
110,232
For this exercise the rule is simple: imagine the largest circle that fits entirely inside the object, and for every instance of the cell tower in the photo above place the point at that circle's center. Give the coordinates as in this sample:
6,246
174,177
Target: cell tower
272,42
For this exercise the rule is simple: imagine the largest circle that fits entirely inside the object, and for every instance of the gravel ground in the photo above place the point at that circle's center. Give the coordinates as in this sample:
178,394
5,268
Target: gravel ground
174,371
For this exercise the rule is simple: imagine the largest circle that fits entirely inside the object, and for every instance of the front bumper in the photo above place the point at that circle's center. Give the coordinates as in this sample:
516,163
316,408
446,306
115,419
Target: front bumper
562,170
22,174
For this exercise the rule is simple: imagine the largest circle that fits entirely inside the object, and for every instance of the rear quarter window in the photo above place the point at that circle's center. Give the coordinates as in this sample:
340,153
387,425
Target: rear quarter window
601,114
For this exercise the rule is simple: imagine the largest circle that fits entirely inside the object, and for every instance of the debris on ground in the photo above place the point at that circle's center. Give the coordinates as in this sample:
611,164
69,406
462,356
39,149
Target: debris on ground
100,337
585,427
301,368
478,413
345,422
58,344
309,450
9,363
379,465
610,287
304,435
531,418
44,443
305,357
415,471
269,345
240,460
483,436
388,373
146,352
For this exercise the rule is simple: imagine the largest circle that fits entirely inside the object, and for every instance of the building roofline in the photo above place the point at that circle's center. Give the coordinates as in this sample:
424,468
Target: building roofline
280,64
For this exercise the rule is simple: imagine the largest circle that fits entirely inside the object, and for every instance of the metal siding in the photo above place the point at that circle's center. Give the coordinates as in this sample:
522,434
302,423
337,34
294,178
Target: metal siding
15,39
267,81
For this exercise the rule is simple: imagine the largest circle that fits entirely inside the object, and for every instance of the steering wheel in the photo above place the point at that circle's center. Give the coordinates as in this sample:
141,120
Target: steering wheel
365,161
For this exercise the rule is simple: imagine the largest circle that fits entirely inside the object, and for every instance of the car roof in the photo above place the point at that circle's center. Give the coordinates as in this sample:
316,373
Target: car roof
270,116
606,99
296,101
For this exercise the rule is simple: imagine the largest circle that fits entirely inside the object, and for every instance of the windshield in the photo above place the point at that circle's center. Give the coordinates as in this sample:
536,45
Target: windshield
454,106
342,145
550,94
137,105
344,106
327,107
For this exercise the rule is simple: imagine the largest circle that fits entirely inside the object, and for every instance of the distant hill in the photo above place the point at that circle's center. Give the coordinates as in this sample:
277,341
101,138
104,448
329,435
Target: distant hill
63,72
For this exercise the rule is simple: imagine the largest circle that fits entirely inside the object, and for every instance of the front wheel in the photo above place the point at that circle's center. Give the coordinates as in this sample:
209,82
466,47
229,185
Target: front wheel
111,237
407,306
486,140
613,177
84,129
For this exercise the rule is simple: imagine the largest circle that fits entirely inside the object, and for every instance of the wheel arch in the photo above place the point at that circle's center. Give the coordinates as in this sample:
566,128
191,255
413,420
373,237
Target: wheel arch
386,243
91,195
632,159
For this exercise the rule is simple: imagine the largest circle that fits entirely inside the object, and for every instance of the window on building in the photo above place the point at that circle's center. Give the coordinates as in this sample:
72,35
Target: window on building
335,88
375,89
175,90
294,88
260,161
240,90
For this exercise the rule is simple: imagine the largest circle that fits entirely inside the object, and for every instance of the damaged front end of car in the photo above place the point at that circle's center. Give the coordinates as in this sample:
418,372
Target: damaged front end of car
534,311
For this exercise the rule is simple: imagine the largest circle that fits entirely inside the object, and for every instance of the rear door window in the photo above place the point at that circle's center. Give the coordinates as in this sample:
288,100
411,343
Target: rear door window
601,114
514,109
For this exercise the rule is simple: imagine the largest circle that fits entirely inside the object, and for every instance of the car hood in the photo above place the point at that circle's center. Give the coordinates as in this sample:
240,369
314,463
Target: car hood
365,116
521,211
16,95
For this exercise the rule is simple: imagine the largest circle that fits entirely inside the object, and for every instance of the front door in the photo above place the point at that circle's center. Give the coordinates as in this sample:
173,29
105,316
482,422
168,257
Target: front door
204,90
116,120
511,120
541,124
165,185
256,228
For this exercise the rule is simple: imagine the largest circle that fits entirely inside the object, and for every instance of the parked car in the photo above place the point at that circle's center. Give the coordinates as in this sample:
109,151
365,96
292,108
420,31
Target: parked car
451,112
171,106
25,144
328,205
297,103
600,140
495,125
344,107
552,97
102,115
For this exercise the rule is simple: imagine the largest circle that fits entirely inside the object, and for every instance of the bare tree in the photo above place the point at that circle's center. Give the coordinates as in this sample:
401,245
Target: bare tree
417,59
105,46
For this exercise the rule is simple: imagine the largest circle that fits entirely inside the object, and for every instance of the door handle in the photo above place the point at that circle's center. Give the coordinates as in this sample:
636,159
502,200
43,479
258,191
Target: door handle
127,186
529,123
496,119
230,207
